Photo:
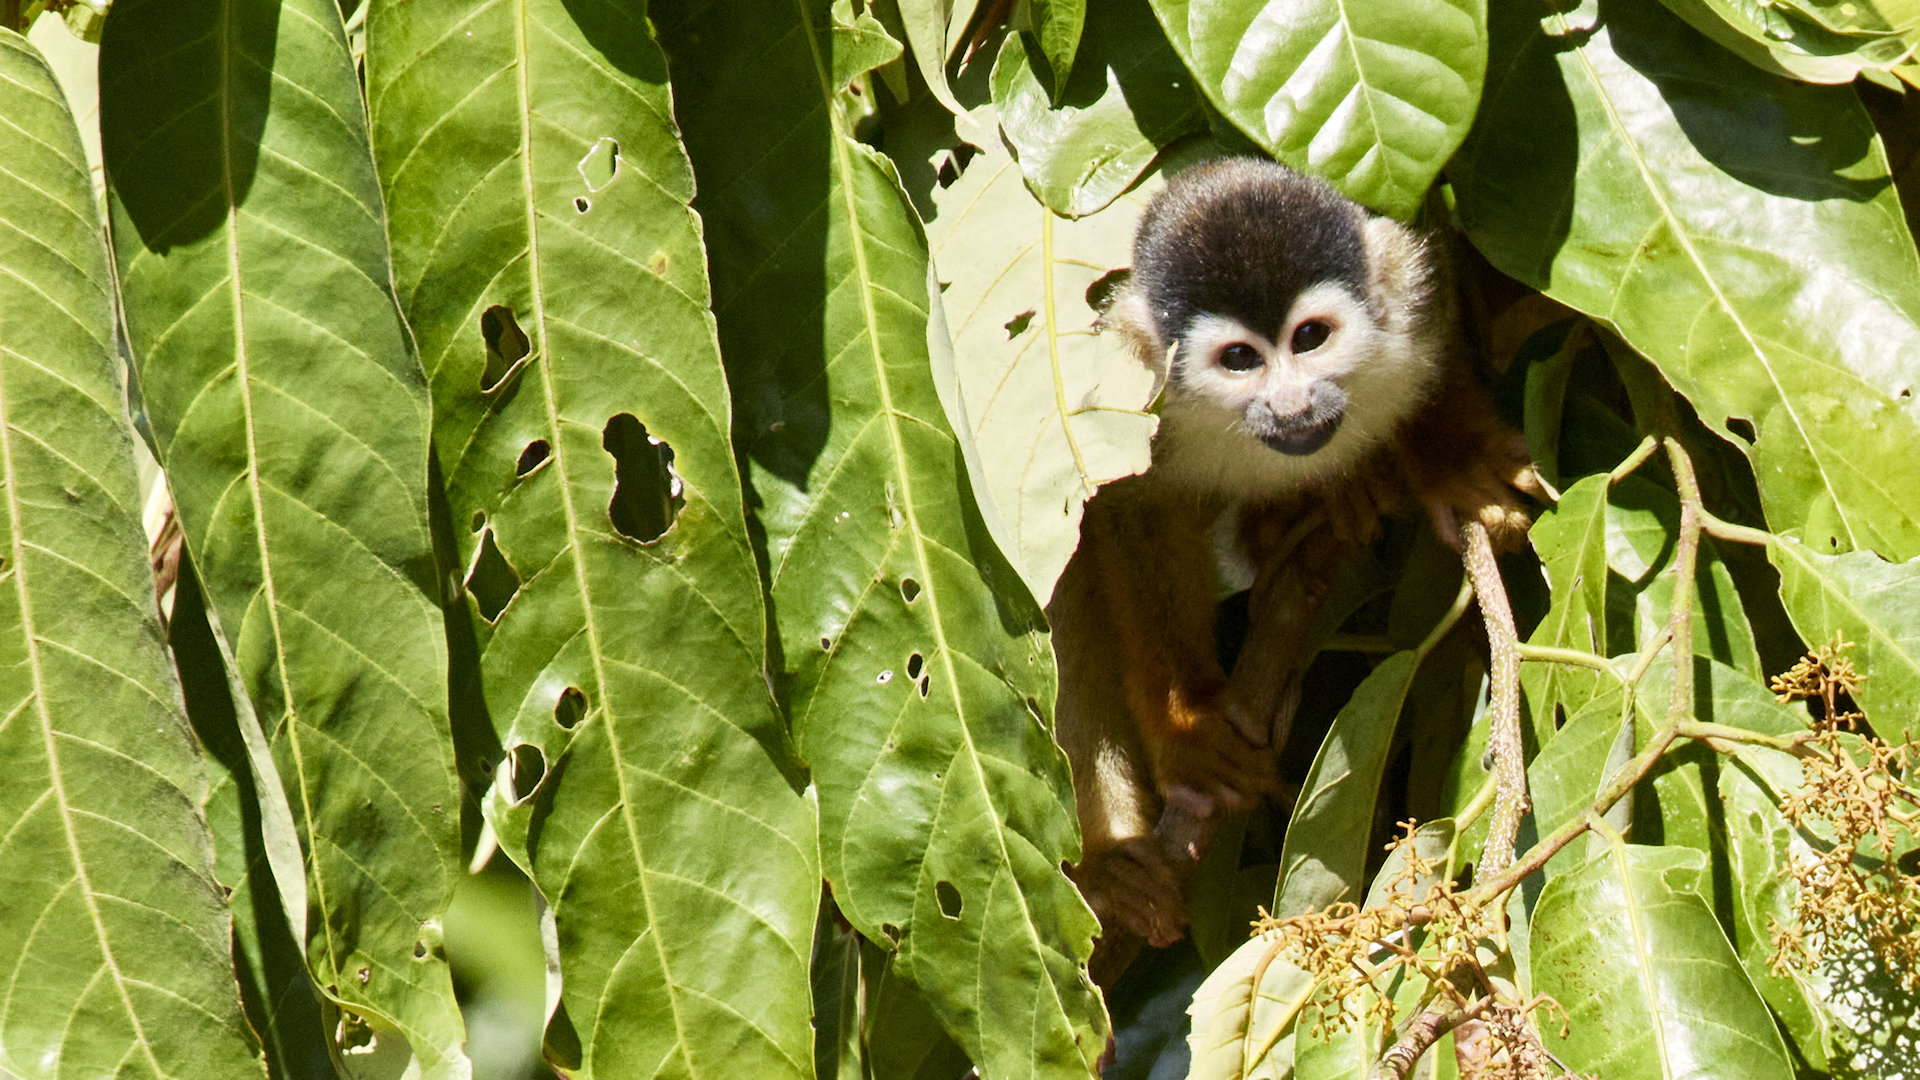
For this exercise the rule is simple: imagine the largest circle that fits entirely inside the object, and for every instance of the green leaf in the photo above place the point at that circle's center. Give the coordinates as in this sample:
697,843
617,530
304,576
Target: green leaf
1324,857
529,151
1129,96
1643,519
1062,409
252,830
1244,1016
287,406
1058,24
914,662
1571,539
1372,97
1564,778
116,952
1626,944
1872,603
1776,37
1737,228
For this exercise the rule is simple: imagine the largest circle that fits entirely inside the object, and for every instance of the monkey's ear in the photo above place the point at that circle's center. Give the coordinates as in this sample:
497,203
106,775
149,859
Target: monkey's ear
1400,278
1131,318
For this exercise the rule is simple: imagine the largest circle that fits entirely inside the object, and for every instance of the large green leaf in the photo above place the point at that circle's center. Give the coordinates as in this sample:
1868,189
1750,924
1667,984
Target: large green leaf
287,405
1129,96
1739,229
115,950
546,255
1776,37
1324,858
915,664
1372,96
1872,603
1650,986
1057,409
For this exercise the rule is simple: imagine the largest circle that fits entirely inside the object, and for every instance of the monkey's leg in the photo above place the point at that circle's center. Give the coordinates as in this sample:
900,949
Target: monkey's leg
1120,871
1155,559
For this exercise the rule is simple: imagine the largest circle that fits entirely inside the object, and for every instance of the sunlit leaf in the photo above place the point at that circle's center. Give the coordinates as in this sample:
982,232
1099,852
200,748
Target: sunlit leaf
546,255
1625,943
1739,229
1244,1016
1874,605
115,948
1056,409
1777,37
1373,97
913,660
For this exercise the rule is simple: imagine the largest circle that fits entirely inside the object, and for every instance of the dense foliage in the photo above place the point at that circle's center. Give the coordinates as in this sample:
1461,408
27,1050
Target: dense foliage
631,445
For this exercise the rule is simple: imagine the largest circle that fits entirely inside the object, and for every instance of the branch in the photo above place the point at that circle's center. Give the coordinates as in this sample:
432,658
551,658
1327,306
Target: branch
1422,1032
1503,739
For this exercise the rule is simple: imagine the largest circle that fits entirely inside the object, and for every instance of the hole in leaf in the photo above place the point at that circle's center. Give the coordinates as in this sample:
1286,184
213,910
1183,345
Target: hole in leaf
1559,716
571,708
1742,427
601,165
949,898
507,345
419,950
479,521
925,682
1905,393
1018,324
526,767
534,456
884,677
891,933
826,644
646,493
582,204
914,664
1100,294
909,589
492,581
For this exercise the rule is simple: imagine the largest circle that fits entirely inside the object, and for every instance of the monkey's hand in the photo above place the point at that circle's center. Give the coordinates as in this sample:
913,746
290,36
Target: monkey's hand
1130,887
1481,477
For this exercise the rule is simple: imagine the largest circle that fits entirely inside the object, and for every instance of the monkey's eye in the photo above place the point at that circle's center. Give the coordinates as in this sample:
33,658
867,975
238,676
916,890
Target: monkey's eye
1240,357
1310,335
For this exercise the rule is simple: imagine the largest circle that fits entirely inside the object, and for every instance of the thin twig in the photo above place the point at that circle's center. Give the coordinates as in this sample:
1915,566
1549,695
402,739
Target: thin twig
1503,737
1572,657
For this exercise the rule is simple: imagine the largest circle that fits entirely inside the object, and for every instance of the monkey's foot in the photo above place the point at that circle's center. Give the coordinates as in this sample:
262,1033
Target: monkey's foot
1130,887
1220,766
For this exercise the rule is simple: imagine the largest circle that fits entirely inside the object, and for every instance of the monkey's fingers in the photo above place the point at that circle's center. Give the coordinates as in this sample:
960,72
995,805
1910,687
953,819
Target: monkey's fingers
1130,887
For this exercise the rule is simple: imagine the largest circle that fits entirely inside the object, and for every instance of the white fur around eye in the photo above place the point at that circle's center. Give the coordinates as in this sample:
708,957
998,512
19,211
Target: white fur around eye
1210,335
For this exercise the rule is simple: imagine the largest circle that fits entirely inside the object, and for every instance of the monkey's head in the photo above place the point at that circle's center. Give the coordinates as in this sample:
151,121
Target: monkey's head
1298,326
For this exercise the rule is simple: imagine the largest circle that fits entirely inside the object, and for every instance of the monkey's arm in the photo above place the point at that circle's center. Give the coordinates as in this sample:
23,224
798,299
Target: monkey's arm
1463,463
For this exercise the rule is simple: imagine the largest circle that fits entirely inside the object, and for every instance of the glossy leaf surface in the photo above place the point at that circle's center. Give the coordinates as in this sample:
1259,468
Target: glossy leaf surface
115,950
1874,605
1739,229
287,406
528,149
914,662
1372,97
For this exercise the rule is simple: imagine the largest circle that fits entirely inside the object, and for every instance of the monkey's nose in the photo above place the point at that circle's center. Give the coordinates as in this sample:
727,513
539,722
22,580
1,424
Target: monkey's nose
1305,430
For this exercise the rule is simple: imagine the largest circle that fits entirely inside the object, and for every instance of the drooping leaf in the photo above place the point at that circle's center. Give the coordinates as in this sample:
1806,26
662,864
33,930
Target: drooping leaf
115,952
250,833
913,660
1057,409
1739,229
287,406
1626,944
547,257
1324,857
1875,606
1129,96
1571,539
1058,25
1372,97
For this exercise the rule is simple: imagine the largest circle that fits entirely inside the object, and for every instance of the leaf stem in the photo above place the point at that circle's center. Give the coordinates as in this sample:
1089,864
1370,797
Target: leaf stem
1634,460
1573,657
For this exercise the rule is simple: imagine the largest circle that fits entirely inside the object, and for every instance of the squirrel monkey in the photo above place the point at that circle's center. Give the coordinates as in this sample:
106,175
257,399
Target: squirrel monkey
1314,379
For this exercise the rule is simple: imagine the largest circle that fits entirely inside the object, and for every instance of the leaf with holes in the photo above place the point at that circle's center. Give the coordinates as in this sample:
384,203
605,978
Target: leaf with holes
915,663
1739,229
115,952
1373,97
287,406
1057,409
546,256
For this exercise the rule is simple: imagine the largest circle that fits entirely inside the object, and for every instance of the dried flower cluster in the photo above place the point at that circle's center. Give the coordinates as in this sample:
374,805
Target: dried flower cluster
1857,788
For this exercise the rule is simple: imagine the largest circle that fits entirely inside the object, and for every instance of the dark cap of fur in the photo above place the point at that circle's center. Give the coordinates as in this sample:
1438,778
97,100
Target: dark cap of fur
1242,237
